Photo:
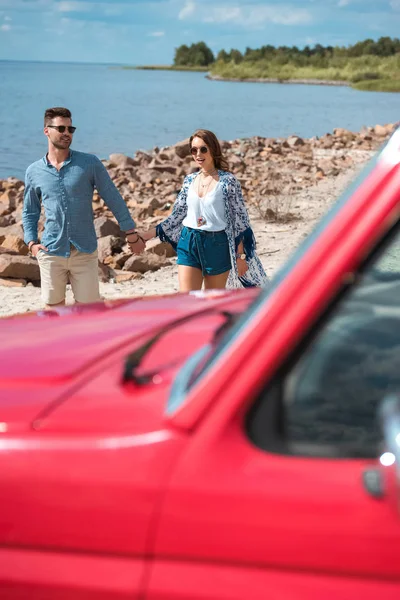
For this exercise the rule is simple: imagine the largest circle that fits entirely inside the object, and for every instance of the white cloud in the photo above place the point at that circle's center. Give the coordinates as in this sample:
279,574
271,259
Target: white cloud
188,10
6,18
395,4
223,15
66,6
343,3
157,33
5,27
251,15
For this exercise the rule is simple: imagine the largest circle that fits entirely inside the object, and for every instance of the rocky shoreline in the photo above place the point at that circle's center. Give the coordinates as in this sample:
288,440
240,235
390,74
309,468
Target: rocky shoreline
277,80
278,176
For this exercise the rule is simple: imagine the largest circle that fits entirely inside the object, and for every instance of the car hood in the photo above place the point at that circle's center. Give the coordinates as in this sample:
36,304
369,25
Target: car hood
44,356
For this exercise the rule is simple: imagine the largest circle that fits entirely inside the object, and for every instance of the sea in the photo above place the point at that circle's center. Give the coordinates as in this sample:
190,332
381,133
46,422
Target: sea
124,110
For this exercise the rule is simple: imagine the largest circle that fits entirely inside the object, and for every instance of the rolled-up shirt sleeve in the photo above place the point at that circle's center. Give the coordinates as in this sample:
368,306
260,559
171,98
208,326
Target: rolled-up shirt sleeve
111,196
31,211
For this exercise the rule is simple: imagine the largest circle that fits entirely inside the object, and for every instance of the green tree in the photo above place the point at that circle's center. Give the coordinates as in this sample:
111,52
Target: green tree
196,55
223,56
181,56
235,56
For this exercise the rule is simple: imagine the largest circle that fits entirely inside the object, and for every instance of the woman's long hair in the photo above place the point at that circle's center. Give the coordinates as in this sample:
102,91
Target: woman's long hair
215,148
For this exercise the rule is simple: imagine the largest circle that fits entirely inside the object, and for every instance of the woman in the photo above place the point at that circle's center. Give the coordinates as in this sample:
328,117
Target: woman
209,225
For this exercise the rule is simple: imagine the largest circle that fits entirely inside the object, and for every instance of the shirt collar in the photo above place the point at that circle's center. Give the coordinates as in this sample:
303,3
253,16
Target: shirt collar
66,162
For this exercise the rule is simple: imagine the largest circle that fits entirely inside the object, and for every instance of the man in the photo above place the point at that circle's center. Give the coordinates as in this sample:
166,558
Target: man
64,181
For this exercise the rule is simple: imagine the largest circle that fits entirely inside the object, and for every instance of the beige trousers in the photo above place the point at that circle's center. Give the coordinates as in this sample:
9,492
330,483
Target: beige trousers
79,269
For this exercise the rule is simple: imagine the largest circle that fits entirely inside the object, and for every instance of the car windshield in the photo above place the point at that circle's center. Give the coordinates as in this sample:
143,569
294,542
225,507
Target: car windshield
202,360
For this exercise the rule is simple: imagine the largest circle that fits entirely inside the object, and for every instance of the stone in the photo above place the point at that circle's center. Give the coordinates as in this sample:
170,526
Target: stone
7,250
326,141
19,267
12,282
155,203
119,260
107,245
344,134
379,130
15,229
12,183
9,199
161,248
121,180
6,220
121,276
121,160
235,161
294,141
104,226
104,272
182,149
166,167
16,244
4,209
145,262
147,176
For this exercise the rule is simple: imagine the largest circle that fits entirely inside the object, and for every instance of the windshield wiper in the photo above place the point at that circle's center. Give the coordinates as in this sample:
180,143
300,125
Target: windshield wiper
134,360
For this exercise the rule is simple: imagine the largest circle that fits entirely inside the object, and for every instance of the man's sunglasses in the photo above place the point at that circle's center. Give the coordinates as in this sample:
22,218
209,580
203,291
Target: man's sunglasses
62,128
194,150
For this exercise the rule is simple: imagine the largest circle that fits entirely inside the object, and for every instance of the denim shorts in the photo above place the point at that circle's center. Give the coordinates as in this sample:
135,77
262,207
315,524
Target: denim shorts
204,250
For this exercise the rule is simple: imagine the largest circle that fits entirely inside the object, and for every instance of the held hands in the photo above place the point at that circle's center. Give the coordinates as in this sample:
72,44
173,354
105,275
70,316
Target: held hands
136,242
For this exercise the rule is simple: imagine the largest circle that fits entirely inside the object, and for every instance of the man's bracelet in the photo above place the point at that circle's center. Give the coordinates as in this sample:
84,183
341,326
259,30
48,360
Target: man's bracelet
30,246
139,237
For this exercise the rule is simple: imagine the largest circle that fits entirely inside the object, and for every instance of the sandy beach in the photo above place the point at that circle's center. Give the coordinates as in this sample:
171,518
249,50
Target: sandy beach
275,243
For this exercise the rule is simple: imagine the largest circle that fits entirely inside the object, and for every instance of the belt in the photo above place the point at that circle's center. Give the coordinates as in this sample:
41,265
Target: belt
205,232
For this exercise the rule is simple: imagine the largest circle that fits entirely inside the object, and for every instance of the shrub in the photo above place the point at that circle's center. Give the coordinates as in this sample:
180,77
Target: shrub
366,75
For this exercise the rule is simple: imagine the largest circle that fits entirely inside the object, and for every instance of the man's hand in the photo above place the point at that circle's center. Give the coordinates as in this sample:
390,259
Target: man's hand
35,248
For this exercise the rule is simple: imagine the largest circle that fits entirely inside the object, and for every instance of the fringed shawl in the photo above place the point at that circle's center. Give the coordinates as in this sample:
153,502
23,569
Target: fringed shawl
238,229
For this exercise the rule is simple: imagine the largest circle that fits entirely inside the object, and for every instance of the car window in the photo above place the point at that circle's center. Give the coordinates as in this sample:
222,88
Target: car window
329,397
208,358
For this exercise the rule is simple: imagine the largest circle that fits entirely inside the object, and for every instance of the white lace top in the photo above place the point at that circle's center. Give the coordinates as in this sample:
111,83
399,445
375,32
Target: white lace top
207,213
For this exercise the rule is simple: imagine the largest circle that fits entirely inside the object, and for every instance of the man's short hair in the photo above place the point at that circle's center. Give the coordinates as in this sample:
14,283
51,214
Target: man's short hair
57,111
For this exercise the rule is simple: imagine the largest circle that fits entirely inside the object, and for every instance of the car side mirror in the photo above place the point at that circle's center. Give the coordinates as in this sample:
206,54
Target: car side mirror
389,417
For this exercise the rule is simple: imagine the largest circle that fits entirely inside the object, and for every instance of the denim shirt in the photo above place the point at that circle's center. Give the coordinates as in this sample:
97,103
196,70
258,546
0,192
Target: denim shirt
67,200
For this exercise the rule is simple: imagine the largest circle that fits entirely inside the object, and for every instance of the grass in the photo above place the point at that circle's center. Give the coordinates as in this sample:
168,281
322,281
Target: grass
274,204
367,73
383,85
363,73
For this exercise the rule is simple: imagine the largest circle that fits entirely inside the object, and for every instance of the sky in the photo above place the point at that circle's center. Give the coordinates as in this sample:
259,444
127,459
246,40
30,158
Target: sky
144,32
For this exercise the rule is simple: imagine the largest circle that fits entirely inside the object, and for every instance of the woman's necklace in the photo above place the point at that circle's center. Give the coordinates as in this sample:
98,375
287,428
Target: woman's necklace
209,173
202,220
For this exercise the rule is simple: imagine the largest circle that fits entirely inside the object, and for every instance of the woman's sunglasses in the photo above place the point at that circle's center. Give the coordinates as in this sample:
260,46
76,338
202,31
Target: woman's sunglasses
194,150
62,128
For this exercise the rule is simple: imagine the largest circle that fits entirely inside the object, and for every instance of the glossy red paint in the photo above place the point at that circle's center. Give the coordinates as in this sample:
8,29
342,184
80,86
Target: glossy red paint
52,355
107,492
287,313
200,581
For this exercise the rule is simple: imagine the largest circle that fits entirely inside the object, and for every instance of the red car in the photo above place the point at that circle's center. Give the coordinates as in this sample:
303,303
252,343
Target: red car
240,445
